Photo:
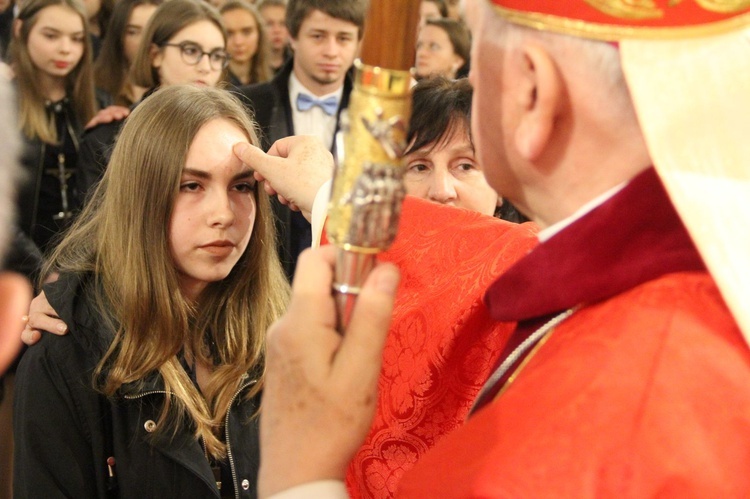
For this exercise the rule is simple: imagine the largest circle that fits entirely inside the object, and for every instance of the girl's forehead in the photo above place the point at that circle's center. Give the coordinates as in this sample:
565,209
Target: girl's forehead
59,16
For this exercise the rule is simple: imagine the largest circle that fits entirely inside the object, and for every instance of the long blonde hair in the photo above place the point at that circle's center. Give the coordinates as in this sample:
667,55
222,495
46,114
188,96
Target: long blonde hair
79,87
122,238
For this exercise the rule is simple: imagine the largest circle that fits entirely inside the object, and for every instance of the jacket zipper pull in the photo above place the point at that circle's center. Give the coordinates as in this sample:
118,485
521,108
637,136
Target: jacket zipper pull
111,477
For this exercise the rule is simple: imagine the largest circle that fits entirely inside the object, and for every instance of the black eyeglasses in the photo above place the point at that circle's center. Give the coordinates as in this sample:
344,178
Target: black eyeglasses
192,54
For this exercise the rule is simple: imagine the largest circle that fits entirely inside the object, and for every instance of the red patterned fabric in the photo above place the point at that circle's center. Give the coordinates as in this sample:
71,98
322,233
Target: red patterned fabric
442,343
657,13
643,392
645,395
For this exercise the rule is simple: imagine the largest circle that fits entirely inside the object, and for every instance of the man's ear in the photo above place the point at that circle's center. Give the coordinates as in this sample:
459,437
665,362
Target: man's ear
541,95
15,297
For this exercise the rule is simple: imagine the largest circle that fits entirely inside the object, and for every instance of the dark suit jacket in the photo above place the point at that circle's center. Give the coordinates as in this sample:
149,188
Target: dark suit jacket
6,29
269,103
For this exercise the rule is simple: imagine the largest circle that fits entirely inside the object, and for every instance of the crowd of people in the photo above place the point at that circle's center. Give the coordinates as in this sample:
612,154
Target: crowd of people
531,332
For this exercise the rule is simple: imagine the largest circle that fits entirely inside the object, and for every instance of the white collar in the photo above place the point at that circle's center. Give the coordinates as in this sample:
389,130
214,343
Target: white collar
546,233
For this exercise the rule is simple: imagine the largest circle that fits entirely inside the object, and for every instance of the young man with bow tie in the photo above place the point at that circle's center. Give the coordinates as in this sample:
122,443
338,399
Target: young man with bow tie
307,95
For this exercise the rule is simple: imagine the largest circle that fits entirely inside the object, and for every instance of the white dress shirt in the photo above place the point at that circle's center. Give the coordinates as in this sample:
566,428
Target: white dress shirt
314,121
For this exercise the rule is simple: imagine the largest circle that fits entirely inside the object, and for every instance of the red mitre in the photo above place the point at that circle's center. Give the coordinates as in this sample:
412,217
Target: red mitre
615,20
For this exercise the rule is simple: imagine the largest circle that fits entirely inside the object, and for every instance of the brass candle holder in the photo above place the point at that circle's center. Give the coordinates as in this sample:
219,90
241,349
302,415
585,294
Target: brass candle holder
367,190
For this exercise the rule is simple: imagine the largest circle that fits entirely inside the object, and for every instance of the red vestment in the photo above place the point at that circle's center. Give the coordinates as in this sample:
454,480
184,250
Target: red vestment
442,342
643,392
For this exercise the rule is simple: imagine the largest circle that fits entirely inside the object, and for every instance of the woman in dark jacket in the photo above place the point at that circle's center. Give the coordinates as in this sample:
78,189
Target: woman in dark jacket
169,280
51,59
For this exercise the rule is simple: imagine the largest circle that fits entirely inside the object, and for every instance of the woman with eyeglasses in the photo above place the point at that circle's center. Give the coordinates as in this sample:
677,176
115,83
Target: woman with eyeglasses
184,44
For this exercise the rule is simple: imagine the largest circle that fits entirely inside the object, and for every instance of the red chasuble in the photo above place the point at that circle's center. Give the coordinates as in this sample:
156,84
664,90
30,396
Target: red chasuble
643,392
442,343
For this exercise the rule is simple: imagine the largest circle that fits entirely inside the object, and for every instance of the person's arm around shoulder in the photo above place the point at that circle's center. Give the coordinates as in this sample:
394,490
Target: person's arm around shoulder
320,391
41,318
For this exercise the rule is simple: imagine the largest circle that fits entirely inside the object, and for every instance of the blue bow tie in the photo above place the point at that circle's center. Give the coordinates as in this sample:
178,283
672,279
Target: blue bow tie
306,102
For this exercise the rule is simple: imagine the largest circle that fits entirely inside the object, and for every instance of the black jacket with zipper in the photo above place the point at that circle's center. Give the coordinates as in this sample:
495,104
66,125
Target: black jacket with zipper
34,207
38,159
65,430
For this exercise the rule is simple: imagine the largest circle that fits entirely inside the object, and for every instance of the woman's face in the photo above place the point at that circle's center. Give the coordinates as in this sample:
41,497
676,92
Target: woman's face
242,31
274,19
171,65
56,41
214,212
435,55
131,40
448,173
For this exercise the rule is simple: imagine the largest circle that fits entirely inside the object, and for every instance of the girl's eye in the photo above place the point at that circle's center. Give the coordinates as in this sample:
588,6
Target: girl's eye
78,39
189,186
245,187
190,50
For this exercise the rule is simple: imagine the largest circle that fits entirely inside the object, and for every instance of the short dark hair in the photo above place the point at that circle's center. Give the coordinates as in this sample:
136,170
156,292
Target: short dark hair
442,6
353,11
439,106
458,34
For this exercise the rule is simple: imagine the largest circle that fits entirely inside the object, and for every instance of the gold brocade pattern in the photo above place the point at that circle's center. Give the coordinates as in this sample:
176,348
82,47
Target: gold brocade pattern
647,9
628,9
614,32
724,6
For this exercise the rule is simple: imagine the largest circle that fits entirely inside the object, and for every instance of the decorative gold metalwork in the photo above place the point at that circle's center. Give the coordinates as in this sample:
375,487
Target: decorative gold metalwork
724,6
613,32
368,187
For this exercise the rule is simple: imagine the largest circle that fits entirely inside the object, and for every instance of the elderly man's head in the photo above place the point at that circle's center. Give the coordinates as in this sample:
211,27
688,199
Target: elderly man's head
548,110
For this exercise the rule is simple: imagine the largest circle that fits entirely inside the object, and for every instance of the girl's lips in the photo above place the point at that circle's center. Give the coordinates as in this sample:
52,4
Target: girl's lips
61,64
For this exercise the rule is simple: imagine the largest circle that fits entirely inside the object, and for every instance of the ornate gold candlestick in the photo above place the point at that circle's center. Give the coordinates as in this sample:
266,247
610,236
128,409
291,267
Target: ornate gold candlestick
367,187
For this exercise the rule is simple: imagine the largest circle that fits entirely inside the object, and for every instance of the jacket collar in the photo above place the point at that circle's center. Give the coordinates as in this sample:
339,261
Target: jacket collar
634,237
